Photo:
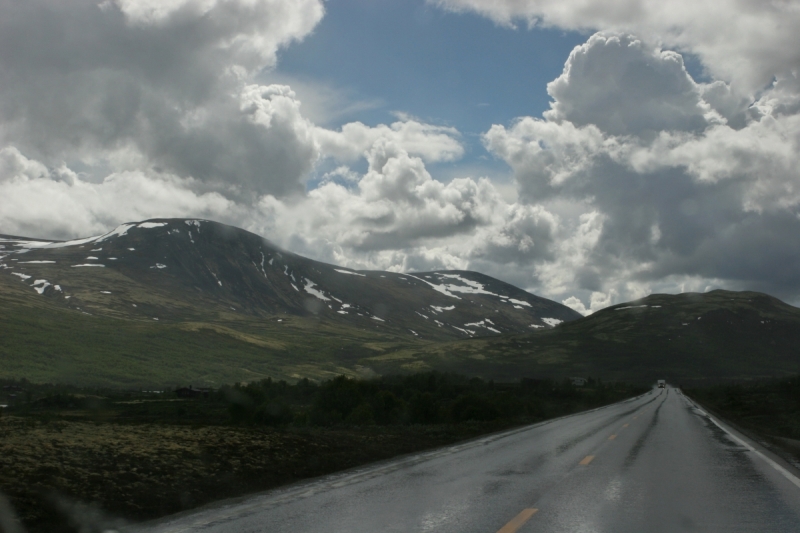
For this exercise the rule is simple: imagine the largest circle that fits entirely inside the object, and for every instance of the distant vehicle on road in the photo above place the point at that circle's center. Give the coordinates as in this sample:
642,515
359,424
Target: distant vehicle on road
662,384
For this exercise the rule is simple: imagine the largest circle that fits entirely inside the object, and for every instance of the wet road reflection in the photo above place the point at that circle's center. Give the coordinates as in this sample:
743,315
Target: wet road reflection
654,464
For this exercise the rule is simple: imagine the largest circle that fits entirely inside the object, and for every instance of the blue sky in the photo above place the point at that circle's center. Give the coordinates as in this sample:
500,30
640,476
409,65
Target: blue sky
453,69
460,70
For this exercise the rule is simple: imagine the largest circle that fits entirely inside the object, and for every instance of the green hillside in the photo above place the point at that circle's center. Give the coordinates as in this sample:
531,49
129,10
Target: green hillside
687,339
43,342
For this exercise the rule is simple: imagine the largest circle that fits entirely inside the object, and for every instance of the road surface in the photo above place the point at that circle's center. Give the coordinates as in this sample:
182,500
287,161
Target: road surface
655,463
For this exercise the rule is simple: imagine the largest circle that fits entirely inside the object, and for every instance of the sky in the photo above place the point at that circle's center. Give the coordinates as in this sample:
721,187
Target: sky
589,152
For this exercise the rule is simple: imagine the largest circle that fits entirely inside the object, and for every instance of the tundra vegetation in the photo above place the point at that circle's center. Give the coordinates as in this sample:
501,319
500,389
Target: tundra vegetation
92,452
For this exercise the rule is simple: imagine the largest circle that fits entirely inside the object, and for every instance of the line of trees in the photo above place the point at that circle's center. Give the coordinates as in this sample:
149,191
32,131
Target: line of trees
424,398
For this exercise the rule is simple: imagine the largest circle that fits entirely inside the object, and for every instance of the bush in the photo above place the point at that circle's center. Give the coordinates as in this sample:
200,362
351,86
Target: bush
473,407
362,415
424,409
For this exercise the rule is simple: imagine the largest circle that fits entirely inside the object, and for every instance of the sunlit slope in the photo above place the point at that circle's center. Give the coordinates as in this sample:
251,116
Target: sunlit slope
685,338
173,301
45,342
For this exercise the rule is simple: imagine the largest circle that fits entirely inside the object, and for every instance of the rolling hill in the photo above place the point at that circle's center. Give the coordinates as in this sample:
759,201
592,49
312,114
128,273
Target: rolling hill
686,338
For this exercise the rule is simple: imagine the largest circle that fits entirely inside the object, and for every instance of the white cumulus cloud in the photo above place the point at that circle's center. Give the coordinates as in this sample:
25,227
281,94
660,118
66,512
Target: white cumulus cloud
683,192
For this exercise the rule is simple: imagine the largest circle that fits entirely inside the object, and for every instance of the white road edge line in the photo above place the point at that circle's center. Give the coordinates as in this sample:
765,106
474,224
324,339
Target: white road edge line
788,475
785,473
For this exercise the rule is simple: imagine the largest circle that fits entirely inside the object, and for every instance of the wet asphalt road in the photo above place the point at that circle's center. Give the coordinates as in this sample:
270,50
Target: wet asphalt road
656,463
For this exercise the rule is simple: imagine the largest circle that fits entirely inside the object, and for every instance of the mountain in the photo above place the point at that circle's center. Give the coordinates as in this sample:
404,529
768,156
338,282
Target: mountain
686,338
173,269
136,301
174,301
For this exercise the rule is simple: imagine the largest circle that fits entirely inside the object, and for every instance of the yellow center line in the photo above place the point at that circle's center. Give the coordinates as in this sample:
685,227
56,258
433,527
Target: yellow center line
517,521
612,437
586,460
625,425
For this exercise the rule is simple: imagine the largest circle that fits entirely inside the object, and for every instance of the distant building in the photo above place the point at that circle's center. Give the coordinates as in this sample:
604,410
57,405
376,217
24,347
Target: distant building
578,382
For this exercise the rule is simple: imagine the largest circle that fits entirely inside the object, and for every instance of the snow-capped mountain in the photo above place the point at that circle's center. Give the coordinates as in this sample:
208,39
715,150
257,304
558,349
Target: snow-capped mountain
178,269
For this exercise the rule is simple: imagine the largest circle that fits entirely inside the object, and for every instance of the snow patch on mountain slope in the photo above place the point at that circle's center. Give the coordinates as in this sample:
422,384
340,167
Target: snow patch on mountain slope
40,285
469,287
439,288
349,272
483,324
314,292
119,231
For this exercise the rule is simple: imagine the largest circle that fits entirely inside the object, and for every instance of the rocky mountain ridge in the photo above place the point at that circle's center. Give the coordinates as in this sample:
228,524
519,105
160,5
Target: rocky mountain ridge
186,269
